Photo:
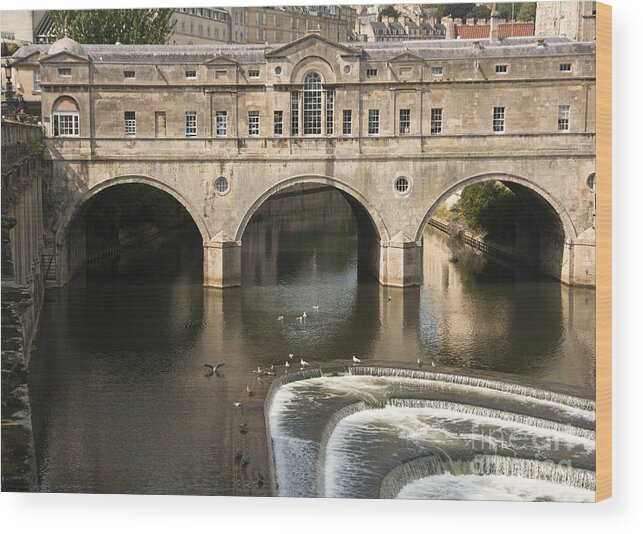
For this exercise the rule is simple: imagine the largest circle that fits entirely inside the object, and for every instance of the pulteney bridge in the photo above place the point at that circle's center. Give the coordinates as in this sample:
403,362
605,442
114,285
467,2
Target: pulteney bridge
396,127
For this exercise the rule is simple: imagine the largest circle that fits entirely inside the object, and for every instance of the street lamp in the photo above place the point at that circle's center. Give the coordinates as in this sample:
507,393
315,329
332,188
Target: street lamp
8,85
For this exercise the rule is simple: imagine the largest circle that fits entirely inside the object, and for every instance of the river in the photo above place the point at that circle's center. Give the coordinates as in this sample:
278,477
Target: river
120,402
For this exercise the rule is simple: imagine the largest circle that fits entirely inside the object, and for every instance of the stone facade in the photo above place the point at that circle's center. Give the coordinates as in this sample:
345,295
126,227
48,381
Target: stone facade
575,20
174,95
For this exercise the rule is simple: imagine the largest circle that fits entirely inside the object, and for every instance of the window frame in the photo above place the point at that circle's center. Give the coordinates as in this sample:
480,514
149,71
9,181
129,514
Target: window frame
191,130
221,123
65,69
437,116
130,123
499,115
254,126
313,104
564,118
563,67
502,69
407,120
129,74
75,123
191,74
349,122
278,122
36,80
371,73
437,70
373,122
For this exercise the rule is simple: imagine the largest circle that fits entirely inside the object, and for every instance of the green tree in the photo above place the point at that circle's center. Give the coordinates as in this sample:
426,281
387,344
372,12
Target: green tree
509,10
389,11
450,10
108,26
527,12
479,12
489,206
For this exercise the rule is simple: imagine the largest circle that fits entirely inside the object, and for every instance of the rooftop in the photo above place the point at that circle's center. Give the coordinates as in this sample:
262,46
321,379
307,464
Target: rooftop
379,51
516,29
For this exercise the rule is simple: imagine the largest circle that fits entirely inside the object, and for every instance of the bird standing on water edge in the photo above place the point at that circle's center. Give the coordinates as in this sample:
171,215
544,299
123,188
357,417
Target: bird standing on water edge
356,360
213,368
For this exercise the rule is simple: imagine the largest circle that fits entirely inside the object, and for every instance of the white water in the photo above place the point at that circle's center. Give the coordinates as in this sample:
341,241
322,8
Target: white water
340,436
492,488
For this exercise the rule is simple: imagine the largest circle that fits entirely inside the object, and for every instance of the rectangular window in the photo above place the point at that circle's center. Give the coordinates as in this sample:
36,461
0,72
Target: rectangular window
501,69
160,124
278,125
294,113
66,124
36,80
499,119
221,123
129,74
253,123
405,121
347,122
565,67
371,73
190,74
64,72
405,71
373,121
436,121
563,118
253,73
130,124
220,74
190,124
437,71
330,111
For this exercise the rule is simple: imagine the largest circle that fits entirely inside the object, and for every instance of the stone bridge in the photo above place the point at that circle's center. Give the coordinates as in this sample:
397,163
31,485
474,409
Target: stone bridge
365,171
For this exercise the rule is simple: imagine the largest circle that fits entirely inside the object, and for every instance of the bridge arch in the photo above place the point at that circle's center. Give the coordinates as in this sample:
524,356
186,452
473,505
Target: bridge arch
565,220
350,193
71,214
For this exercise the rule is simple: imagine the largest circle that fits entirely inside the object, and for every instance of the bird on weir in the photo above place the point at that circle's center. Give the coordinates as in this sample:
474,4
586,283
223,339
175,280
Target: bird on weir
356,360
304,363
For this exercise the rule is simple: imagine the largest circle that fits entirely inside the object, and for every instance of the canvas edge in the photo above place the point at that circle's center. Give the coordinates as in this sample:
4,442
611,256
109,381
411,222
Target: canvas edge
603,252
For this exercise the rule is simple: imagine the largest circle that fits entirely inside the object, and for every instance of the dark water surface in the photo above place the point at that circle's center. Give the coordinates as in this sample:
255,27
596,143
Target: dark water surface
119,397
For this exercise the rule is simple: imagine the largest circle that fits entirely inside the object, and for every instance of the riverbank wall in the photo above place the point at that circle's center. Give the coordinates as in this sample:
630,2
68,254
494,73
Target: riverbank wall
23,174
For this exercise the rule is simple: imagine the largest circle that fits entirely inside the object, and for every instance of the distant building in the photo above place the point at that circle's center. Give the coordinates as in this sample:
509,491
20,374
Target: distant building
576,20
19,26
200,25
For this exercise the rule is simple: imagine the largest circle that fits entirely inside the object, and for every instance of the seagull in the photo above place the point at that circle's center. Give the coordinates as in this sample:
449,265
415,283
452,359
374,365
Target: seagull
419,362
315,308
280,318
390,298
300,318
250,392
432,363
304,363
213,368
356,359
236,404
287,364
291,355
272,367
258,371
304,315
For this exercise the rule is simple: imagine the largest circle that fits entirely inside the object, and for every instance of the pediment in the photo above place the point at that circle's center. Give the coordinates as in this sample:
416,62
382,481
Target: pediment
221,60
312,41
31,58
64,57
407,57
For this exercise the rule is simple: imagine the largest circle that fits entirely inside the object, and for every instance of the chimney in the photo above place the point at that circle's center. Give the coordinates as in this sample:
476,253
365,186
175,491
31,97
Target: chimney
494,34
448,22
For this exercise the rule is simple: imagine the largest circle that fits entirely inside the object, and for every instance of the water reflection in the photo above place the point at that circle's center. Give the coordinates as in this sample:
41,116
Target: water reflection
120,401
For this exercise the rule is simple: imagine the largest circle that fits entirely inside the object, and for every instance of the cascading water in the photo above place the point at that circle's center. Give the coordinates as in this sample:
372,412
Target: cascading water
393,432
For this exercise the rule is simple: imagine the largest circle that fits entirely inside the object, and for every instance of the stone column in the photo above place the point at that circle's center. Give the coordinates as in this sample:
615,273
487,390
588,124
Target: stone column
400,263
222,264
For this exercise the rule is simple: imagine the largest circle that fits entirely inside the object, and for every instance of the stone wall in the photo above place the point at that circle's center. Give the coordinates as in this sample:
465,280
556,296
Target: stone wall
22,294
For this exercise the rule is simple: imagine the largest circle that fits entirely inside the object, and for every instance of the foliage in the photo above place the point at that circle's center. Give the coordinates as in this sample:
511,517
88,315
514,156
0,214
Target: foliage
389,11
489,206
479,12
108,26
527,12
524,11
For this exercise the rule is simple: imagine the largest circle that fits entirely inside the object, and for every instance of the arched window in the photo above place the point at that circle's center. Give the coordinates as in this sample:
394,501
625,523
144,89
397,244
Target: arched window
312,104
66,118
